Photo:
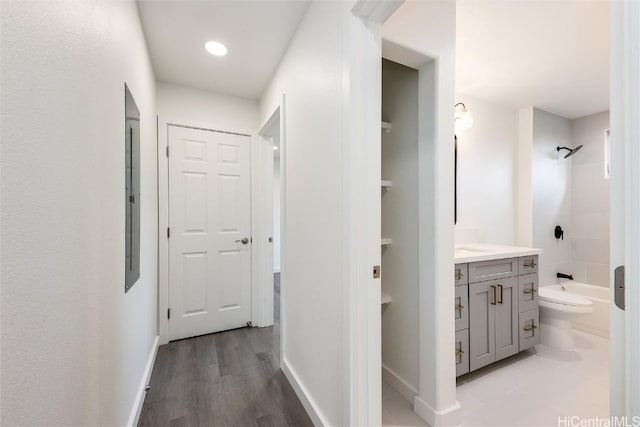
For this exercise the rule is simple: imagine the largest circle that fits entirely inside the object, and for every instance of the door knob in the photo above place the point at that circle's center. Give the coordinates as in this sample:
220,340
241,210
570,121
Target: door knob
244,240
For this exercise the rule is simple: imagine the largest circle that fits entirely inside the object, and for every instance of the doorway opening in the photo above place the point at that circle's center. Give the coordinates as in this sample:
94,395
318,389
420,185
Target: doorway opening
272,213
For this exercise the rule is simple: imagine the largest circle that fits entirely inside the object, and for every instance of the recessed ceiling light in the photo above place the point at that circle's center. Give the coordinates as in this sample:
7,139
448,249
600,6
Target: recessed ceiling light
215,48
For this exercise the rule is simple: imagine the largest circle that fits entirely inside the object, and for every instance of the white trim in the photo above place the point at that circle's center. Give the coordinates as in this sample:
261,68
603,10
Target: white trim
398,383
446,417
625,205
163,214
361,176
278,118
303,394
264,220
375,11
283,225
142,392
261,226
163,224
436,242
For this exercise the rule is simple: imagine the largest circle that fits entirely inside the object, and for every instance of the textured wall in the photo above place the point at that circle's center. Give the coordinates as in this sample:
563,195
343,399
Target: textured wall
74,346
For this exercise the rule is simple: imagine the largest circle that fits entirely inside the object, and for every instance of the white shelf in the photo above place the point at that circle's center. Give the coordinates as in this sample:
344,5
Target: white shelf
385,184
386,299
386,126
385,241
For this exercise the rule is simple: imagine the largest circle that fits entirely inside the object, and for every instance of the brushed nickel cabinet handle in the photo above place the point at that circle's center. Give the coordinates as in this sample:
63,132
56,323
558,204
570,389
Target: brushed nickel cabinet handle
458,274
459,306
530,264
531,328
501,294
529,291
459,352
494,295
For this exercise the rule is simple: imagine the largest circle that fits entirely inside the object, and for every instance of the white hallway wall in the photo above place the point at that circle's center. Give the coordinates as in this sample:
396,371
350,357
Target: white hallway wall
74,345
310,75
487,173
187,106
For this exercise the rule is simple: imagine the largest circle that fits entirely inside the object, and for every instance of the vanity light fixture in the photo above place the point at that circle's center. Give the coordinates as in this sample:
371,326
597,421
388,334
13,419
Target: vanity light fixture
463,118
215,48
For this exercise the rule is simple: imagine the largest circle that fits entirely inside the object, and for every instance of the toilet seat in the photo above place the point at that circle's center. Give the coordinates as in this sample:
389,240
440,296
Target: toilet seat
562,297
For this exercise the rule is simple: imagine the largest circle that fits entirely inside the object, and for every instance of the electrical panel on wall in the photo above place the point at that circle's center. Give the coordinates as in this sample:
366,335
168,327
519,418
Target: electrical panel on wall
132,190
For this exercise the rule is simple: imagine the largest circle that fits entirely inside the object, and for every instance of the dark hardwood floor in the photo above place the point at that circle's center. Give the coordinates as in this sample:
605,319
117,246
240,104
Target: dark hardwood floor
230,378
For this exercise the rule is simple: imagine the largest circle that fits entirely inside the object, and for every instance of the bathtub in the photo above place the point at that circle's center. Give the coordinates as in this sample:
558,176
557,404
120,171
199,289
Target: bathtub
596,323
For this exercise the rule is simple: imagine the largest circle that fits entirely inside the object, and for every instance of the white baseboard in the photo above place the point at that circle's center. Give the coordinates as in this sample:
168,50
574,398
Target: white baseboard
137,406
405,389
447,417
309,405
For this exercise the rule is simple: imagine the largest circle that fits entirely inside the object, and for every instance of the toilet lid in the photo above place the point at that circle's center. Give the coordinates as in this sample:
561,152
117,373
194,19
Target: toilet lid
559,296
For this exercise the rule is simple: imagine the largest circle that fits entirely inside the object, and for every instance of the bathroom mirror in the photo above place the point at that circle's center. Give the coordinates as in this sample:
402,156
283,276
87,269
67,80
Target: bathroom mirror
455,180
132,189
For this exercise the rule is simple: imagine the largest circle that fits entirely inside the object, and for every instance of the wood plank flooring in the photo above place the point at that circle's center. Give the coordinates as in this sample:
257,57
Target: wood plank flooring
229,378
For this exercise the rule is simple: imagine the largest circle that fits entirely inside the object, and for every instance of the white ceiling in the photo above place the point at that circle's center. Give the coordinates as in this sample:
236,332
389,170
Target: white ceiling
553,55
256,33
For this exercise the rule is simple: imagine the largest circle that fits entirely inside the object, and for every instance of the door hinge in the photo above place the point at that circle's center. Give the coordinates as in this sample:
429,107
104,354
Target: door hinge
168,232
168,313
167,151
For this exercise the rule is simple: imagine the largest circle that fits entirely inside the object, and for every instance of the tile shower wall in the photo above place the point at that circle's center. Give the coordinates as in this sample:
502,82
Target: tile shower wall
590,201
551,192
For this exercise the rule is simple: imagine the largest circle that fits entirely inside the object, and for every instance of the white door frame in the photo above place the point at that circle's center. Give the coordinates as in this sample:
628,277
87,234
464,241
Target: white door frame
163,218
436,401
625,206
265,285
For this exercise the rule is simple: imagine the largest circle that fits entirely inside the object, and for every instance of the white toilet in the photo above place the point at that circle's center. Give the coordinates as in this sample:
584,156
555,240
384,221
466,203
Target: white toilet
557,308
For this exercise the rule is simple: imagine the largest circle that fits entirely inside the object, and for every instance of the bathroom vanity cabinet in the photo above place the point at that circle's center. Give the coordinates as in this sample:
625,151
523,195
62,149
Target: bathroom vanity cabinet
496,310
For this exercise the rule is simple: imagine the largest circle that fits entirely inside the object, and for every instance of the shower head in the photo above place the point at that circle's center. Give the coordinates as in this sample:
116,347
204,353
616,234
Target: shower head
571,151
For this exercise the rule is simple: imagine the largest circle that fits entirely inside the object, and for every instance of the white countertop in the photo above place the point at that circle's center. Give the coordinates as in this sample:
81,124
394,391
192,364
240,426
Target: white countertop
474,252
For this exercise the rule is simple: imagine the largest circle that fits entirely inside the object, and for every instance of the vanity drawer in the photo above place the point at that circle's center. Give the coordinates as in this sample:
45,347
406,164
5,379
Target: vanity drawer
493,269
461,307
529,329
462,352
528,264
461,274
528,291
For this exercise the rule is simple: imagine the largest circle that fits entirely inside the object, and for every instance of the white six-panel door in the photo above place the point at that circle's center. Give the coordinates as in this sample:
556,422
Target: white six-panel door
209,216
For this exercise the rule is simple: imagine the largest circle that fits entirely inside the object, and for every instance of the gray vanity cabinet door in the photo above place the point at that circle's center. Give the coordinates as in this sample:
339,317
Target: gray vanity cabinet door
462,352
461,274
529,329
528,285
461,307
528,264
482,339
506,317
